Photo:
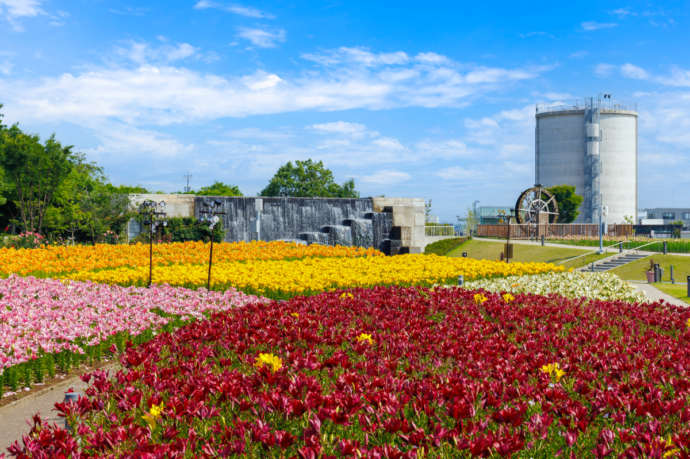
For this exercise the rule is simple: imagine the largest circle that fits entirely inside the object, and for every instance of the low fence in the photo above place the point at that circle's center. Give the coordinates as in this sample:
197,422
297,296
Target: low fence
439,230
552,231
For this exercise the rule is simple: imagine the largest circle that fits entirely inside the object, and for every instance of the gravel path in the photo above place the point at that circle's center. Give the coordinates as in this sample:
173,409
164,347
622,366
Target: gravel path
15,418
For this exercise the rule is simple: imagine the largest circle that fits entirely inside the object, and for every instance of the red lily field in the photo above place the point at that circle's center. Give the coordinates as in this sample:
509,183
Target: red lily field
395,372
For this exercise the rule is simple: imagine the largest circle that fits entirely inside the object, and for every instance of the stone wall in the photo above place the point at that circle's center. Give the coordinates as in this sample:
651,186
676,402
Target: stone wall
392,225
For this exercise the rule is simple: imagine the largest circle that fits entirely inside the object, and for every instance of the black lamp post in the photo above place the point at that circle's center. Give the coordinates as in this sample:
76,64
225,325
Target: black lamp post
154,215
210,213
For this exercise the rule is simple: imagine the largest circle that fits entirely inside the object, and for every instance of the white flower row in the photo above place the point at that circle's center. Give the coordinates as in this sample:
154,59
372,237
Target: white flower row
576,284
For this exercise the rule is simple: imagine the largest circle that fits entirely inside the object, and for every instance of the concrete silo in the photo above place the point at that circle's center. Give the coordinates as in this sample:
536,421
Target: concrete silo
593,146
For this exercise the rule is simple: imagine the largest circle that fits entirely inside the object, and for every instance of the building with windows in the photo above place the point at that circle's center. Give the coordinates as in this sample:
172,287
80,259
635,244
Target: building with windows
493,215
668,215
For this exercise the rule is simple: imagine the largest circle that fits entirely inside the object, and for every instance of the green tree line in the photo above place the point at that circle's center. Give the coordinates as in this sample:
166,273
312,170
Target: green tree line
50,189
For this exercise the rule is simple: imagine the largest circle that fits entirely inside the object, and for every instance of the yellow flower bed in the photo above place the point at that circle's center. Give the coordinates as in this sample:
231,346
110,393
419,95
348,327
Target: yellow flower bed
280,278
65,259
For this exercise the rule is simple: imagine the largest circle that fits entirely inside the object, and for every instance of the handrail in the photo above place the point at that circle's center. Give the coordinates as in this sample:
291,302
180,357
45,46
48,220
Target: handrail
605,247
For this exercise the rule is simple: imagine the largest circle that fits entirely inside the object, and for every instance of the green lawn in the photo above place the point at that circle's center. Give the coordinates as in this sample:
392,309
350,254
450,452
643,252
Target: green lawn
677,290
636,270
485,250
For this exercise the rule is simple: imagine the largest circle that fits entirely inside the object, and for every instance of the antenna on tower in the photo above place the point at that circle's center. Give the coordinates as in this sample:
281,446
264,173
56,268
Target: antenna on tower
187,176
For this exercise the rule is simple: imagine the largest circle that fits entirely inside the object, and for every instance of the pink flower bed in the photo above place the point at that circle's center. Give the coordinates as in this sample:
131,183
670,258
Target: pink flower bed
49,316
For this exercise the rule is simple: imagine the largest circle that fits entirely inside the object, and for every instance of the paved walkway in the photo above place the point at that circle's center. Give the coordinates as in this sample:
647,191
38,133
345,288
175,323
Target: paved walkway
654,294
15,418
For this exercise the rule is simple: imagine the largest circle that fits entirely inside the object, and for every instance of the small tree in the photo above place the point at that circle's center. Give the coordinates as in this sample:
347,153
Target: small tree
308,179
218,189
568,202
471,222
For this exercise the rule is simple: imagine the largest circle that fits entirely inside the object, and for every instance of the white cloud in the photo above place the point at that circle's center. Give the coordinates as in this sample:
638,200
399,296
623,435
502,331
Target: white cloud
261,81
15,9
678,77
343,127
494,75
442,149
431,58
128,142
262,38
558,96
460,173
604,70
233,8
594,25
623,12
386,177
143,53
579,54
5,66
362,56
633,71
152,86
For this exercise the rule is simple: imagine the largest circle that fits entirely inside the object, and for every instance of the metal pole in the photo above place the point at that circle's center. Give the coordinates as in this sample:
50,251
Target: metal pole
620,247
688,291
601,232
151,253
508,243
673,281
665,247
210,263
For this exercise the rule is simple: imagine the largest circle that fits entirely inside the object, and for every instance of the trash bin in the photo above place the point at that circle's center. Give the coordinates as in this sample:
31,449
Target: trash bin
650,277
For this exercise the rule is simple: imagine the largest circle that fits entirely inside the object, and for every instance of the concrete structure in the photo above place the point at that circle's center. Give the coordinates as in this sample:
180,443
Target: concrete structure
667,215
392,225
593,146
408,215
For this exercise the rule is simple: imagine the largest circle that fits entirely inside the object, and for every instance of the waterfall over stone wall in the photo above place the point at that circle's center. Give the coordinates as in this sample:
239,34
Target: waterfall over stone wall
313,220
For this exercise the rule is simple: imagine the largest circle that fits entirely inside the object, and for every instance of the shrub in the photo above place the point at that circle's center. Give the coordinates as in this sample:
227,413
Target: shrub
444,246
183,229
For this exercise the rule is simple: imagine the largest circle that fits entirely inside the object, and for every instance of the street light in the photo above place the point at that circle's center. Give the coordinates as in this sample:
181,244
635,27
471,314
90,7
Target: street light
210,213
154,215
474,214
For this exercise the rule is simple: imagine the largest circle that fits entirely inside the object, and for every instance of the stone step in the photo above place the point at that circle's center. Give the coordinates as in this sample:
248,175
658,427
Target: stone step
613,263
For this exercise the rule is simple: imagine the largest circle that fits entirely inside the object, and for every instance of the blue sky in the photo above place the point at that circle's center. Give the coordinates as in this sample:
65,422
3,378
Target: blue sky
433,100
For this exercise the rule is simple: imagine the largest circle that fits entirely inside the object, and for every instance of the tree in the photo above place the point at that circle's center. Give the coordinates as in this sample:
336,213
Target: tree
127,189
34,171
218,189
470,222
308,179
568,202
427,210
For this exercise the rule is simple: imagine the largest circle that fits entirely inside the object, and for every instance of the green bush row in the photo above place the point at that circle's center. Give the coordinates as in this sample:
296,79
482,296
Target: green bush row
443,247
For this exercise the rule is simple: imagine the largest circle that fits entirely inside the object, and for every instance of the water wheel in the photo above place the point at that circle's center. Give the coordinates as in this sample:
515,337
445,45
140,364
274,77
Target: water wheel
536,205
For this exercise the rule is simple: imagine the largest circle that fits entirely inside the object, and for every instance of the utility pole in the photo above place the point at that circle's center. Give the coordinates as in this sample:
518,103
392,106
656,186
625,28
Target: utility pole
186,188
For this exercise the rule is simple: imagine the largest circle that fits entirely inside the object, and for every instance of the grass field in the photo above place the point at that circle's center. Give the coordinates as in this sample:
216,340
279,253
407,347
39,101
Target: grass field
485,250
679,291
657,245
636,270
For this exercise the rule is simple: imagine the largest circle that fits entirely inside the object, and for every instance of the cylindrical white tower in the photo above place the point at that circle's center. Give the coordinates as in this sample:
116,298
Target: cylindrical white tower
592,146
